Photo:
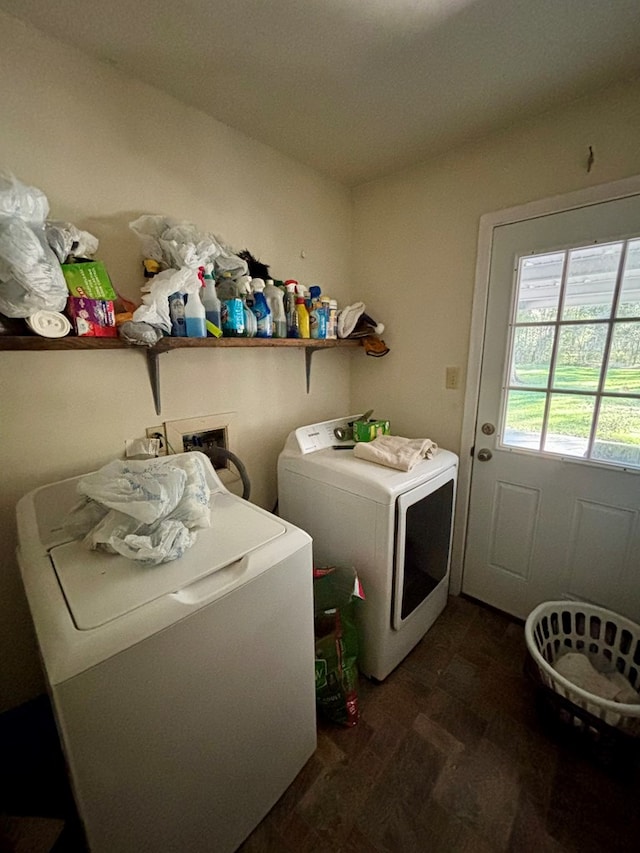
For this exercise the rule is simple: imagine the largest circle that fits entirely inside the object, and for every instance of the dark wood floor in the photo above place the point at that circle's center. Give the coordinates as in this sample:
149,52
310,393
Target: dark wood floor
452,754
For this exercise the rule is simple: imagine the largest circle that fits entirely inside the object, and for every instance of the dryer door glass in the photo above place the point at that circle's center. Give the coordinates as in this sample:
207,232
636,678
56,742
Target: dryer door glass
424,536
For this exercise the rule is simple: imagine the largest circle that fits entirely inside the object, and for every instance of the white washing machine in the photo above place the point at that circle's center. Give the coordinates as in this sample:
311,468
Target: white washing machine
395,527
184,693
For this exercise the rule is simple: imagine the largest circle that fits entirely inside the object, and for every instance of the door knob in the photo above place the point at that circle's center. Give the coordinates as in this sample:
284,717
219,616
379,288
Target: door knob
484,455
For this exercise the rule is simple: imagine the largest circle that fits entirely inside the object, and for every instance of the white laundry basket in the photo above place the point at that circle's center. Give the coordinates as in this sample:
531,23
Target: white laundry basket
611,640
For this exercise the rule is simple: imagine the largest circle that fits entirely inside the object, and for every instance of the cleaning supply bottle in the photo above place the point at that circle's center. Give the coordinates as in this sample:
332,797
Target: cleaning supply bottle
194,314
275,301
176,313
231,308
261,311
326,308
303,313
250,322
317,318
211,304
293,322
332,328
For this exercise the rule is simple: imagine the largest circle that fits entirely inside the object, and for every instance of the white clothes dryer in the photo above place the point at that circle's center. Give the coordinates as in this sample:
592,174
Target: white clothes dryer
394,527
184,693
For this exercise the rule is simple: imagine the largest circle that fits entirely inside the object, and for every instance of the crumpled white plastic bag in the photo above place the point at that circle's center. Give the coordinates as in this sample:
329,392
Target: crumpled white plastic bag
149,544
30,275
155,307
16,199
175,244
146,510
65,239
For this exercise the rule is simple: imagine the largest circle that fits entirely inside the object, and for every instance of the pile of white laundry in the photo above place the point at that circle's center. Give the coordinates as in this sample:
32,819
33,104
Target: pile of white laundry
578,669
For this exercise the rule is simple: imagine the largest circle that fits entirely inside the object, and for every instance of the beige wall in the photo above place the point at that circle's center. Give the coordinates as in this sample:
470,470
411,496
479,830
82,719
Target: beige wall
415,243
104,149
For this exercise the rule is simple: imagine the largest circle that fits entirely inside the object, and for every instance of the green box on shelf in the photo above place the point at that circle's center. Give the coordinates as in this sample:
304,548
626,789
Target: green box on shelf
89,279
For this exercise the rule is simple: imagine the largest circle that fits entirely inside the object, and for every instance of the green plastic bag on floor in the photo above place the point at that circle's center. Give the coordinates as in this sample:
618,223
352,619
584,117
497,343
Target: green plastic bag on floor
336,590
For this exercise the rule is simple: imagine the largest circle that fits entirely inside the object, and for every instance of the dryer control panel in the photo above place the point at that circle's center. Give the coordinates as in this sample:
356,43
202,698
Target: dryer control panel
323,435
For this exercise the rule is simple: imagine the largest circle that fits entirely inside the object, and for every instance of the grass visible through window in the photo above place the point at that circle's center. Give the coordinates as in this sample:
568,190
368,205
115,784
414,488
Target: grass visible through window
619,420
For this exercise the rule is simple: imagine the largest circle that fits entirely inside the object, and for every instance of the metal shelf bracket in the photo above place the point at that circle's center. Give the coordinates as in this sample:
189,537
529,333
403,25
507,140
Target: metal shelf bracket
154,376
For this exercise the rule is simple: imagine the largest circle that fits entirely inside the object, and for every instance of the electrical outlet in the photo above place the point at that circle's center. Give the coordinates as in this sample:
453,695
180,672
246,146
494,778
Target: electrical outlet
158,432
452,378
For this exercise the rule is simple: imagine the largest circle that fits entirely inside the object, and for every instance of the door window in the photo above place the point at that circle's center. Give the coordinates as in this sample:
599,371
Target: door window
573,380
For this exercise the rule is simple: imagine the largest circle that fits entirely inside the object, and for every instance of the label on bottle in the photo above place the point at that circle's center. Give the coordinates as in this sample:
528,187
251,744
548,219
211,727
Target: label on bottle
232,317
176,312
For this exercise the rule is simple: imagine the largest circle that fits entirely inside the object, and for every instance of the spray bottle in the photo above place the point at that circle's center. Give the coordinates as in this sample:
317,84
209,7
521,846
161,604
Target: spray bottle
275,301
261,311
194,314
246,296
211,305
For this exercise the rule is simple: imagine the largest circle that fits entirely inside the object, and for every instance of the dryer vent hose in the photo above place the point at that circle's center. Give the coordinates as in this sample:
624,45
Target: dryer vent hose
215,453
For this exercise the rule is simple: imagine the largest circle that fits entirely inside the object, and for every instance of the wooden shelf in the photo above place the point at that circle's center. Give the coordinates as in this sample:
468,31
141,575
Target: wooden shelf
26,343
36,342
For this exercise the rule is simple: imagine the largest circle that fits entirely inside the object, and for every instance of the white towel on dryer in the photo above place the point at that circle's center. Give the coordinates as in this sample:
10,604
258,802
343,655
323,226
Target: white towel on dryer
394,451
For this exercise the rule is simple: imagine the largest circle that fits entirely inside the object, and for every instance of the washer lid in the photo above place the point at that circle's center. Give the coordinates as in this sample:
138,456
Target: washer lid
100,587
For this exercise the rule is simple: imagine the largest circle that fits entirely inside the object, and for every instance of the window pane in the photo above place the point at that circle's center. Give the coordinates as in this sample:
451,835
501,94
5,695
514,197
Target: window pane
629,304
539,278
591,282
569,425
623,372
579,357
618,435
531,355
523,423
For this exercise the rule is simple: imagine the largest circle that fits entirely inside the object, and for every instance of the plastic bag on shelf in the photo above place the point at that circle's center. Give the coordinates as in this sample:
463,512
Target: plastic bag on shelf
229,265
65,240
139,334
174,244
155,308
17,199
30,276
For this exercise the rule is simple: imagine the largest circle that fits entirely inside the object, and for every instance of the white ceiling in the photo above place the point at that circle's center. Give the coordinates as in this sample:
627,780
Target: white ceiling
357,88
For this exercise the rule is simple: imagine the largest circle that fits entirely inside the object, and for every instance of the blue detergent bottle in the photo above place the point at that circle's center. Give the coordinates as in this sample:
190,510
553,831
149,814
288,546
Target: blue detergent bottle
261,311
317,315
250,321
231,308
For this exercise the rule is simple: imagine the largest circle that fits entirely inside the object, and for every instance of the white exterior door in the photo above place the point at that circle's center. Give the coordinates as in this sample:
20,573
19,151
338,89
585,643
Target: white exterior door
555,481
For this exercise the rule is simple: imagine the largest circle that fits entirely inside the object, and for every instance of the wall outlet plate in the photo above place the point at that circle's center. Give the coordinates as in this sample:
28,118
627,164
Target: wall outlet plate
158,432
